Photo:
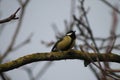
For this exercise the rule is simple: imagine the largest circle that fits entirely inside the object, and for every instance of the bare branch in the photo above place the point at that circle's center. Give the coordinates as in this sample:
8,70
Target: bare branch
11,17
23,43
23,6
43,70
94,72
88,29
110,5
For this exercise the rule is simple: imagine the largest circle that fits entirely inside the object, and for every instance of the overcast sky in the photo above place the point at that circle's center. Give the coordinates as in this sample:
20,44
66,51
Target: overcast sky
40,15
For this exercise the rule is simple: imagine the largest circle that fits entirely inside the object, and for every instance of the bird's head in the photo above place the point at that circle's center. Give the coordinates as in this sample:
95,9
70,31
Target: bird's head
71,34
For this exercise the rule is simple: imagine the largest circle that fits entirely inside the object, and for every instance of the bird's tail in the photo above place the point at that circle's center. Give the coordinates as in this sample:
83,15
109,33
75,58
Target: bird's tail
53,49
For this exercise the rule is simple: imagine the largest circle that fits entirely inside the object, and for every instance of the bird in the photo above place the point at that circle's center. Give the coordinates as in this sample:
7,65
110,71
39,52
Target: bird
65,43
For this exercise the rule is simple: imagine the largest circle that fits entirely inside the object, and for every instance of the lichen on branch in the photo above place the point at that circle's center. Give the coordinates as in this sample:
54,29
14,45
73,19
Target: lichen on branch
55,56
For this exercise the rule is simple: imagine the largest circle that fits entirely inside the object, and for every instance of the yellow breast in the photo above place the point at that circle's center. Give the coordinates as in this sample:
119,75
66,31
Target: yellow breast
65,43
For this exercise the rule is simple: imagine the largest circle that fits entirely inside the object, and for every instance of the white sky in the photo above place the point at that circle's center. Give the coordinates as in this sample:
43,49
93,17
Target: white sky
39,17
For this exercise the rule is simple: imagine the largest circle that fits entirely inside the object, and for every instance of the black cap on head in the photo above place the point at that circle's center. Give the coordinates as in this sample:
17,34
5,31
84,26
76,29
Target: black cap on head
71,34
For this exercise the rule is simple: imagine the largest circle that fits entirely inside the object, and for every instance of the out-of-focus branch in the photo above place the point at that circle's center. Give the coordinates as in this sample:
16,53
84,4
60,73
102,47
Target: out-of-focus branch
23,8
53,56
88,29
94,72
103,39
11,17
4,76
43,70
113,70
23,43
116,47
111,6
112,34
29,72
48,44
113,31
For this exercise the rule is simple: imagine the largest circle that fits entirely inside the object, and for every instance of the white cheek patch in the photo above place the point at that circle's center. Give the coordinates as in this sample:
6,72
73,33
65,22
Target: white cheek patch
69,34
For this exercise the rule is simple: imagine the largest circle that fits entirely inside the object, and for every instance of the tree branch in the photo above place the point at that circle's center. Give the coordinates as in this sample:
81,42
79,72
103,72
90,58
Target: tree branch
110,5
11,17
55,56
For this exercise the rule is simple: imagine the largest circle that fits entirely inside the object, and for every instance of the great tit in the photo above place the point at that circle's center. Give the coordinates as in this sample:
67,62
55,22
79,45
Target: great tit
65,43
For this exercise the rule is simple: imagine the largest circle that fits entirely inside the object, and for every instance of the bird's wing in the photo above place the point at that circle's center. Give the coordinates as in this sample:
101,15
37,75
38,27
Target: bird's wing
54,47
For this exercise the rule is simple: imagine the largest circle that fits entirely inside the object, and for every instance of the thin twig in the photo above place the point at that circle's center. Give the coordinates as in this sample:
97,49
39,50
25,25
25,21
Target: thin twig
16,31
11,17
43,70
29,72
3,76
23,43
94,72
110,5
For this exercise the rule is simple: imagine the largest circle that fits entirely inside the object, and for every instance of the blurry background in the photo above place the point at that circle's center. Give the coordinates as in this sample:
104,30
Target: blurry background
37,26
